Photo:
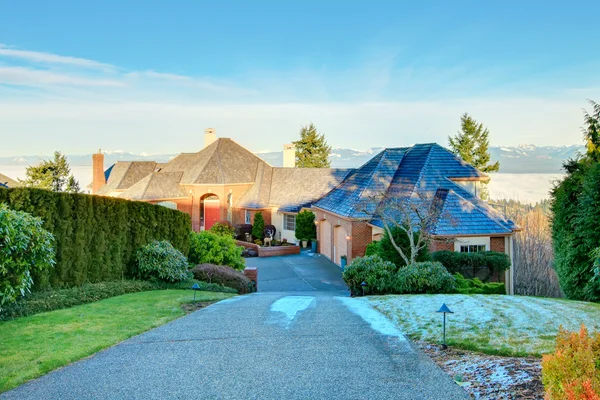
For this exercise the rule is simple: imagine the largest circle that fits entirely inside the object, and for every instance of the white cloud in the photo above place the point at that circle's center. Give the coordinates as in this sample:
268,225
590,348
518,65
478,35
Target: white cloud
49,58
35,77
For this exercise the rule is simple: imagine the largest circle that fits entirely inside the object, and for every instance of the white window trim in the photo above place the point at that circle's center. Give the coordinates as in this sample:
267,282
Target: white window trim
247,217
285,222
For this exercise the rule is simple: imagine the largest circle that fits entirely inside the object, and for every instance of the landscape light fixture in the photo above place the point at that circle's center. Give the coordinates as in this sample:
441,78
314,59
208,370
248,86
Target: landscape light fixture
195,288
363,285
444,309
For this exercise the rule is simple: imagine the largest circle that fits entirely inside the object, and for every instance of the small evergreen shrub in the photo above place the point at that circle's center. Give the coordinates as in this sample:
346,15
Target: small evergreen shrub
387,251
372,248
424,277
305,226
258,229
573,371
24,247
160,261
456,262
223,275
208,248
476,286
375,272
223,228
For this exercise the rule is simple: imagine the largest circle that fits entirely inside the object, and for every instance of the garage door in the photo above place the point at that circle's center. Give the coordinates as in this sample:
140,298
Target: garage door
341,244
325,236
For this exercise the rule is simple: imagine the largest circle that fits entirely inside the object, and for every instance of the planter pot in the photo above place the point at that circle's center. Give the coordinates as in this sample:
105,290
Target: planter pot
343,263
313,245
304,243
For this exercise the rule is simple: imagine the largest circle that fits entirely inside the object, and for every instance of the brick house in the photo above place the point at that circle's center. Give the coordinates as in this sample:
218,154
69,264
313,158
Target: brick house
224,181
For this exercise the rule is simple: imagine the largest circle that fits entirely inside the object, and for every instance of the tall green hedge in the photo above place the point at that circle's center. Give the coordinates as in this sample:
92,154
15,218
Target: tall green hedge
97,237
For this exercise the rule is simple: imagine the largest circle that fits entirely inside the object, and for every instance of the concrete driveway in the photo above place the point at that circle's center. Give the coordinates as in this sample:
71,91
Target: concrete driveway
295,345
300,272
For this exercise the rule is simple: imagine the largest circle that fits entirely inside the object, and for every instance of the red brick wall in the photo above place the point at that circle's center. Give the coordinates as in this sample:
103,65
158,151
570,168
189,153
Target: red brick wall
361,236
497,244
439,245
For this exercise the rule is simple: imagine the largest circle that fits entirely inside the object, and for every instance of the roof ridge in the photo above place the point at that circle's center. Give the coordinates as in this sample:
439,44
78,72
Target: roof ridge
148,185
124,175
383,154
218,153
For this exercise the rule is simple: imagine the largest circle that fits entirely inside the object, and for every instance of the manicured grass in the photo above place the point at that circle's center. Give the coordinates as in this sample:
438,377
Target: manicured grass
492,324
33,346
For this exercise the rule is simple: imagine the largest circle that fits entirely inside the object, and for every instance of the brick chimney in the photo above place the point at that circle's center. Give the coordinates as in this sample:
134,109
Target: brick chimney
99,179
210,136
289,156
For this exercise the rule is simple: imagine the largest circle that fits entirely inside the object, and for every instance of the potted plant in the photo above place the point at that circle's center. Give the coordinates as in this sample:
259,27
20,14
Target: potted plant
343,261
313,244
304,243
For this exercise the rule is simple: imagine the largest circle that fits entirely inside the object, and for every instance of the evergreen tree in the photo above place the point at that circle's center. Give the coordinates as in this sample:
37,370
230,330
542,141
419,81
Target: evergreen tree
258,228
591,132
52,175
472,143
312,150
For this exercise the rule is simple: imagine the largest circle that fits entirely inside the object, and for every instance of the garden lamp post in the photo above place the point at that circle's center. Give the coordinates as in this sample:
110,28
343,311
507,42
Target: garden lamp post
445,310
363,286
195,288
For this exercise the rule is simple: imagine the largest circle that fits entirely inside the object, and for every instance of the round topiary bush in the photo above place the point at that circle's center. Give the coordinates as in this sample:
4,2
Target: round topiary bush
209,248
375,272
223,275
423,277
160,261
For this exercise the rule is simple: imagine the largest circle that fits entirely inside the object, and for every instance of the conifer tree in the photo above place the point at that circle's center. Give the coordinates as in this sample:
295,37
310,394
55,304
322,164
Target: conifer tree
312,150
258,228
52,175
472,144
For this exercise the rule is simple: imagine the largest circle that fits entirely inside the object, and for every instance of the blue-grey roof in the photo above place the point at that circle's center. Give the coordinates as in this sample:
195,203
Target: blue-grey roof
418,173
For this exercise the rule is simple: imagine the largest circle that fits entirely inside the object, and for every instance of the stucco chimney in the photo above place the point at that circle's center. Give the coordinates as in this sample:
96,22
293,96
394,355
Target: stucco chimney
289,156
99,178
210,136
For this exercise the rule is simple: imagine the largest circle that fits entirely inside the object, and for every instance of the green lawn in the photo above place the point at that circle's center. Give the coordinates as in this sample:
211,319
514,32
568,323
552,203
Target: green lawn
33,346
493,324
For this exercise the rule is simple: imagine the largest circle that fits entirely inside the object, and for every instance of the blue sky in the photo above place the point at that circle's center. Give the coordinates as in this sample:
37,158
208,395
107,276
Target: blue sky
149,76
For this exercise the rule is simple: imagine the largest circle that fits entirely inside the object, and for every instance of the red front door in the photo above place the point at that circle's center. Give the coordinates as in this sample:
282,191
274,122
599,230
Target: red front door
211,213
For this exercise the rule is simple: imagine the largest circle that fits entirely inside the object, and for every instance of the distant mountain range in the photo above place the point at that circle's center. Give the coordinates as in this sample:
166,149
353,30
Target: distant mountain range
519,159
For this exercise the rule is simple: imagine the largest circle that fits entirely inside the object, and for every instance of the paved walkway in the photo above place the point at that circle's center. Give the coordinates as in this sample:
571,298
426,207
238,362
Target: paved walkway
313,344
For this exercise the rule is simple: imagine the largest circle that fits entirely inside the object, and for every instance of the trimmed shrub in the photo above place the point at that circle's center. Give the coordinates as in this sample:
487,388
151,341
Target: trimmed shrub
424,277
50,300
223,275
187,285
223,228
160,261
241,230
208,248
375,272
573,371
258,229
305,226
476,286
96,237
456,262
25,247
372,248
387,251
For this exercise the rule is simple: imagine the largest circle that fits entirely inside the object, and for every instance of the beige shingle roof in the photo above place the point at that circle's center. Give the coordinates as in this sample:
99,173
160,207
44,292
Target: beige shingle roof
6,181
156,186
126,174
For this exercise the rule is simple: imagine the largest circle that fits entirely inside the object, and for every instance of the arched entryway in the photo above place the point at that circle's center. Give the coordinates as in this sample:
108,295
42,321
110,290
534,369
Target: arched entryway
340,244
210,211
325,237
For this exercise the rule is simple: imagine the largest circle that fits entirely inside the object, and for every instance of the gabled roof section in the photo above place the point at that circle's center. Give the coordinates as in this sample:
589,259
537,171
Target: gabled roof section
7,182
223,162
156,186
123,175
291,189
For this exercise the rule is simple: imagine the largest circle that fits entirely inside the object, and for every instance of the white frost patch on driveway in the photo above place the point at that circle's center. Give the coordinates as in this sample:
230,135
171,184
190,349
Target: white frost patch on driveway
290,306
377,320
